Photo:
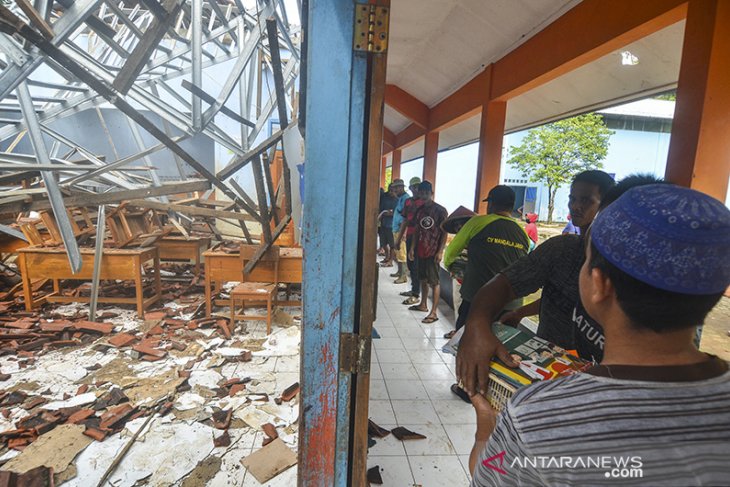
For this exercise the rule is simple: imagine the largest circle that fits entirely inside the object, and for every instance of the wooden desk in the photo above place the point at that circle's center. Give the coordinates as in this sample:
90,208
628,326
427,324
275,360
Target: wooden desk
181,248
221,267
116,264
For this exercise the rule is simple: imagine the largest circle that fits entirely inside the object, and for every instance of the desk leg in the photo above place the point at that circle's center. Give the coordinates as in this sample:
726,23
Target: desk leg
139,290
158,277
208,304
56,287
197,263
27,288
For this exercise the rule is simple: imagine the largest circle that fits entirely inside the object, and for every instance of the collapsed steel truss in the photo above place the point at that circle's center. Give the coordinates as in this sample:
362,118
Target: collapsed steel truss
126,54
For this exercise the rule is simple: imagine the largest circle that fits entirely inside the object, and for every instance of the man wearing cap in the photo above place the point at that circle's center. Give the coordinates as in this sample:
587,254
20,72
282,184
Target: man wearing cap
427,248
553,266
399,250
493,242
656,410
407,230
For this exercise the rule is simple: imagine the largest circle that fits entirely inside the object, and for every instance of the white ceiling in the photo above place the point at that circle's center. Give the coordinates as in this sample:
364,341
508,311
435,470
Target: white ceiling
603,82
435,47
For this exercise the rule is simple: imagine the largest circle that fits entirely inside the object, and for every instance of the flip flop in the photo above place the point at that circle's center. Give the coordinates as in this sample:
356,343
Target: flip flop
461,393
407,294
450,334
412,300
429,319
416,307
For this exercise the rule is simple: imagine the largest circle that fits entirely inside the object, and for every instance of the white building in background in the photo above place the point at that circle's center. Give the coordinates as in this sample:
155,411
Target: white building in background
639,145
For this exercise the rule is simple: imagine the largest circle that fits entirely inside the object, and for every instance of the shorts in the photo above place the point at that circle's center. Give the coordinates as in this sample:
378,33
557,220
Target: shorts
400,253
386,236
428,270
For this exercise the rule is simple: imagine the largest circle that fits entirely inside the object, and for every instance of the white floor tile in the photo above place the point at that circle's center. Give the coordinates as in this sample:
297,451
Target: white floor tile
435,371
461,436
439,390
395,471
414,412
452,412
385,331
433,471
415,344
377,390
388,446
425,357
410,332
405,389
387,343
375,372
399,371
436,443
394,356
381,411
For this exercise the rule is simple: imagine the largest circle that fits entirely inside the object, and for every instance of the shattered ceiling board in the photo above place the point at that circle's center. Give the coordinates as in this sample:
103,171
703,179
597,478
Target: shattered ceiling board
175,70
56,449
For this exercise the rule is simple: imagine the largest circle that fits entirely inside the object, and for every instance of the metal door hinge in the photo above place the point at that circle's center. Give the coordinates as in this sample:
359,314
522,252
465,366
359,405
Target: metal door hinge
355,353
371,28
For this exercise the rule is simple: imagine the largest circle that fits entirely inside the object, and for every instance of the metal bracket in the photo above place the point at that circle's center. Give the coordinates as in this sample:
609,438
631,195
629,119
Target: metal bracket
371,28
355,353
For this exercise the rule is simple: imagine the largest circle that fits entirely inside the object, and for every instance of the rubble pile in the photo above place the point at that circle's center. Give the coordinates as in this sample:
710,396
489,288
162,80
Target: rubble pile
170,399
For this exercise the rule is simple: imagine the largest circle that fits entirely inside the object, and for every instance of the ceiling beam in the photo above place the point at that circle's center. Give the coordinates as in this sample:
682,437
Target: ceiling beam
407,105
585,33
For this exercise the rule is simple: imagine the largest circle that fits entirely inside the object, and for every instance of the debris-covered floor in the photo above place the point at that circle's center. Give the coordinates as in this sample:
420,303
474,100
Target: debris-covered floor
172,399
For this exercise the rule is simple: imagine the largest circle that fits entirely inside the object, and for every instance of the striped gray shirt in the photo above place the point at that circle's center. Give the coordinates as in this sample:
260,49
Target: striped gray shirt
615,425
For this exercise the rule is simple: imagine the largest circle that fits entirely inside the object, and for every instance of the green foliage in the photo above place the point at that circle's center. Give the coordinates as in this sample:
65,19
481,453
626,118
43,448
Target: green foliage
668,96
554,153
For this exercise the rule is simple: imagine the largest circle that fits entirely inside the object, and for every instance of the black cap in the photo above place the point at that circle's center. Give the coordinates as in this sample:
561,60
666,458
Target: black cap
425,186
502,196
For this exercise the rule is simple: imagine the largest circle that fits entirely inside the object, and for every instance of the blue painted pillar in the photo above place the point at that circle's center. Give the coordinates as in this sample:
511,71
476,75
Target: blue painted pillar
336,93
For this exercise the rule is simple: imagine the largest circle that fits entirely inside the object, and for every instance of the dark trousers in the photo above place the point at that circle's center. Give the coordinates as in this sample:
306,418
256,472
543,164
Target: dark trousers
413,269
462,314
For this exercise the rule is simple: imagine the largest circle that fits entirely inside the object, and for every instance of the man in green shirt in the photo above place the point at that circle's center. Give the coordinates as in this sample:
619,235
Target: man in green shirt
493,241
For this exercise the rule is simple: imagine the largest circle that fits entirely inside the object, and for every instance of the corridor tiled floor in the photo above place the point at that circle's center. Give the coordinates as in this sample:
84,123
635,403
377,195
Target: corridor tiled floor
409,387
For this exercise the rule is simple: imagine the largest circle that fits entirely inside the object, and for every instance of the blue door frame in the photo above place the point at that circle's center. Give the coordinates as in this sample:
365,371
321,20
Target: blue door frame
331,235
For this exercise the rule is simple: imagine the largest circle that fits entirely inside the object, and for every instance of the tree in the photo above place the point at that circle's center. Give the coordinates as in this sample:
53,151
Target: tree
554,153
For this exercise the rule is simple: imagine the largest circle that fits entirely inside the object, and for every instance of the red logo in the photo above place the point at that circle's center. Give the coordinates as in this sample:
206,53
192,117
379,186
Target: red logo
488,462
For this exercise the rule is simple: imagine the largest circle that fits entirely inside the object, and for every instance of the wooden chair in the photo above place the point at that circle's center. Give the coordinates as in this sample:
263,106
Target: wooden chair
256,291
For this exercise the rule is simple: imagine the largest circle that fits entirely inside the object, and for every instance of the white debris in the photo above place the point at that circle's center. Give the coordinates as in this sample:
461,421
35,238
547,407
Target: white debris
80,400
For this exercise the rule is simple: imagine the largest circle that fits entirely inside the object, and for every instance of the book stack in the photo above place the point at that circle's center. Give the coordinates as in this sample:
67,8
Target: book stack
539,360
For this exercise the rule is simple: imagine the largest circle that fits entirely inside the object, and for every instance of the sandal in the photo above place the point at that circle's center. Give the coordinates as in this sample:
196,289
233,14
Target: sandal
407,294
416,307
429,319
461,393
450,334
412,300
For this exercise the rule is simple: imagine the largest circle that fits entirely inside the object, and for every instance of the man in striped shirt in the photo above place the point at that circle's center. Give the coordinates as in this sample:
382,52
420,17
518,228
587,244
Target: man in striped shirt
656,411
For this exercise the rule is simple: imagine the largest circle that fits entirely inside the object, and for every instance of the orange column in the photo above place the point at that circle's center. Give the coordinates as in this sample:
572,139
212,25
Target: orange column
699,149
491,135
430,157
383,166
395,164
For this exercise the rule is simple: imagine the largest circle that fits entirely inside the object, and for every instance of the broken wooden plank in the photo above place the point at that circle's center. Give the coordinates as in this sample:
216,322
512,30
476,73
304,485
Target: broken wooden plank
191,210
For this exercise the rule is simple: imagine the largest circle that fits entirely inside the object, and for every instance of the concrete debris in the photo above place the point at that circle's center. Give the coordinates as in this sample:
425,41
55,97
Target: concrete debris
269,461
55,450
